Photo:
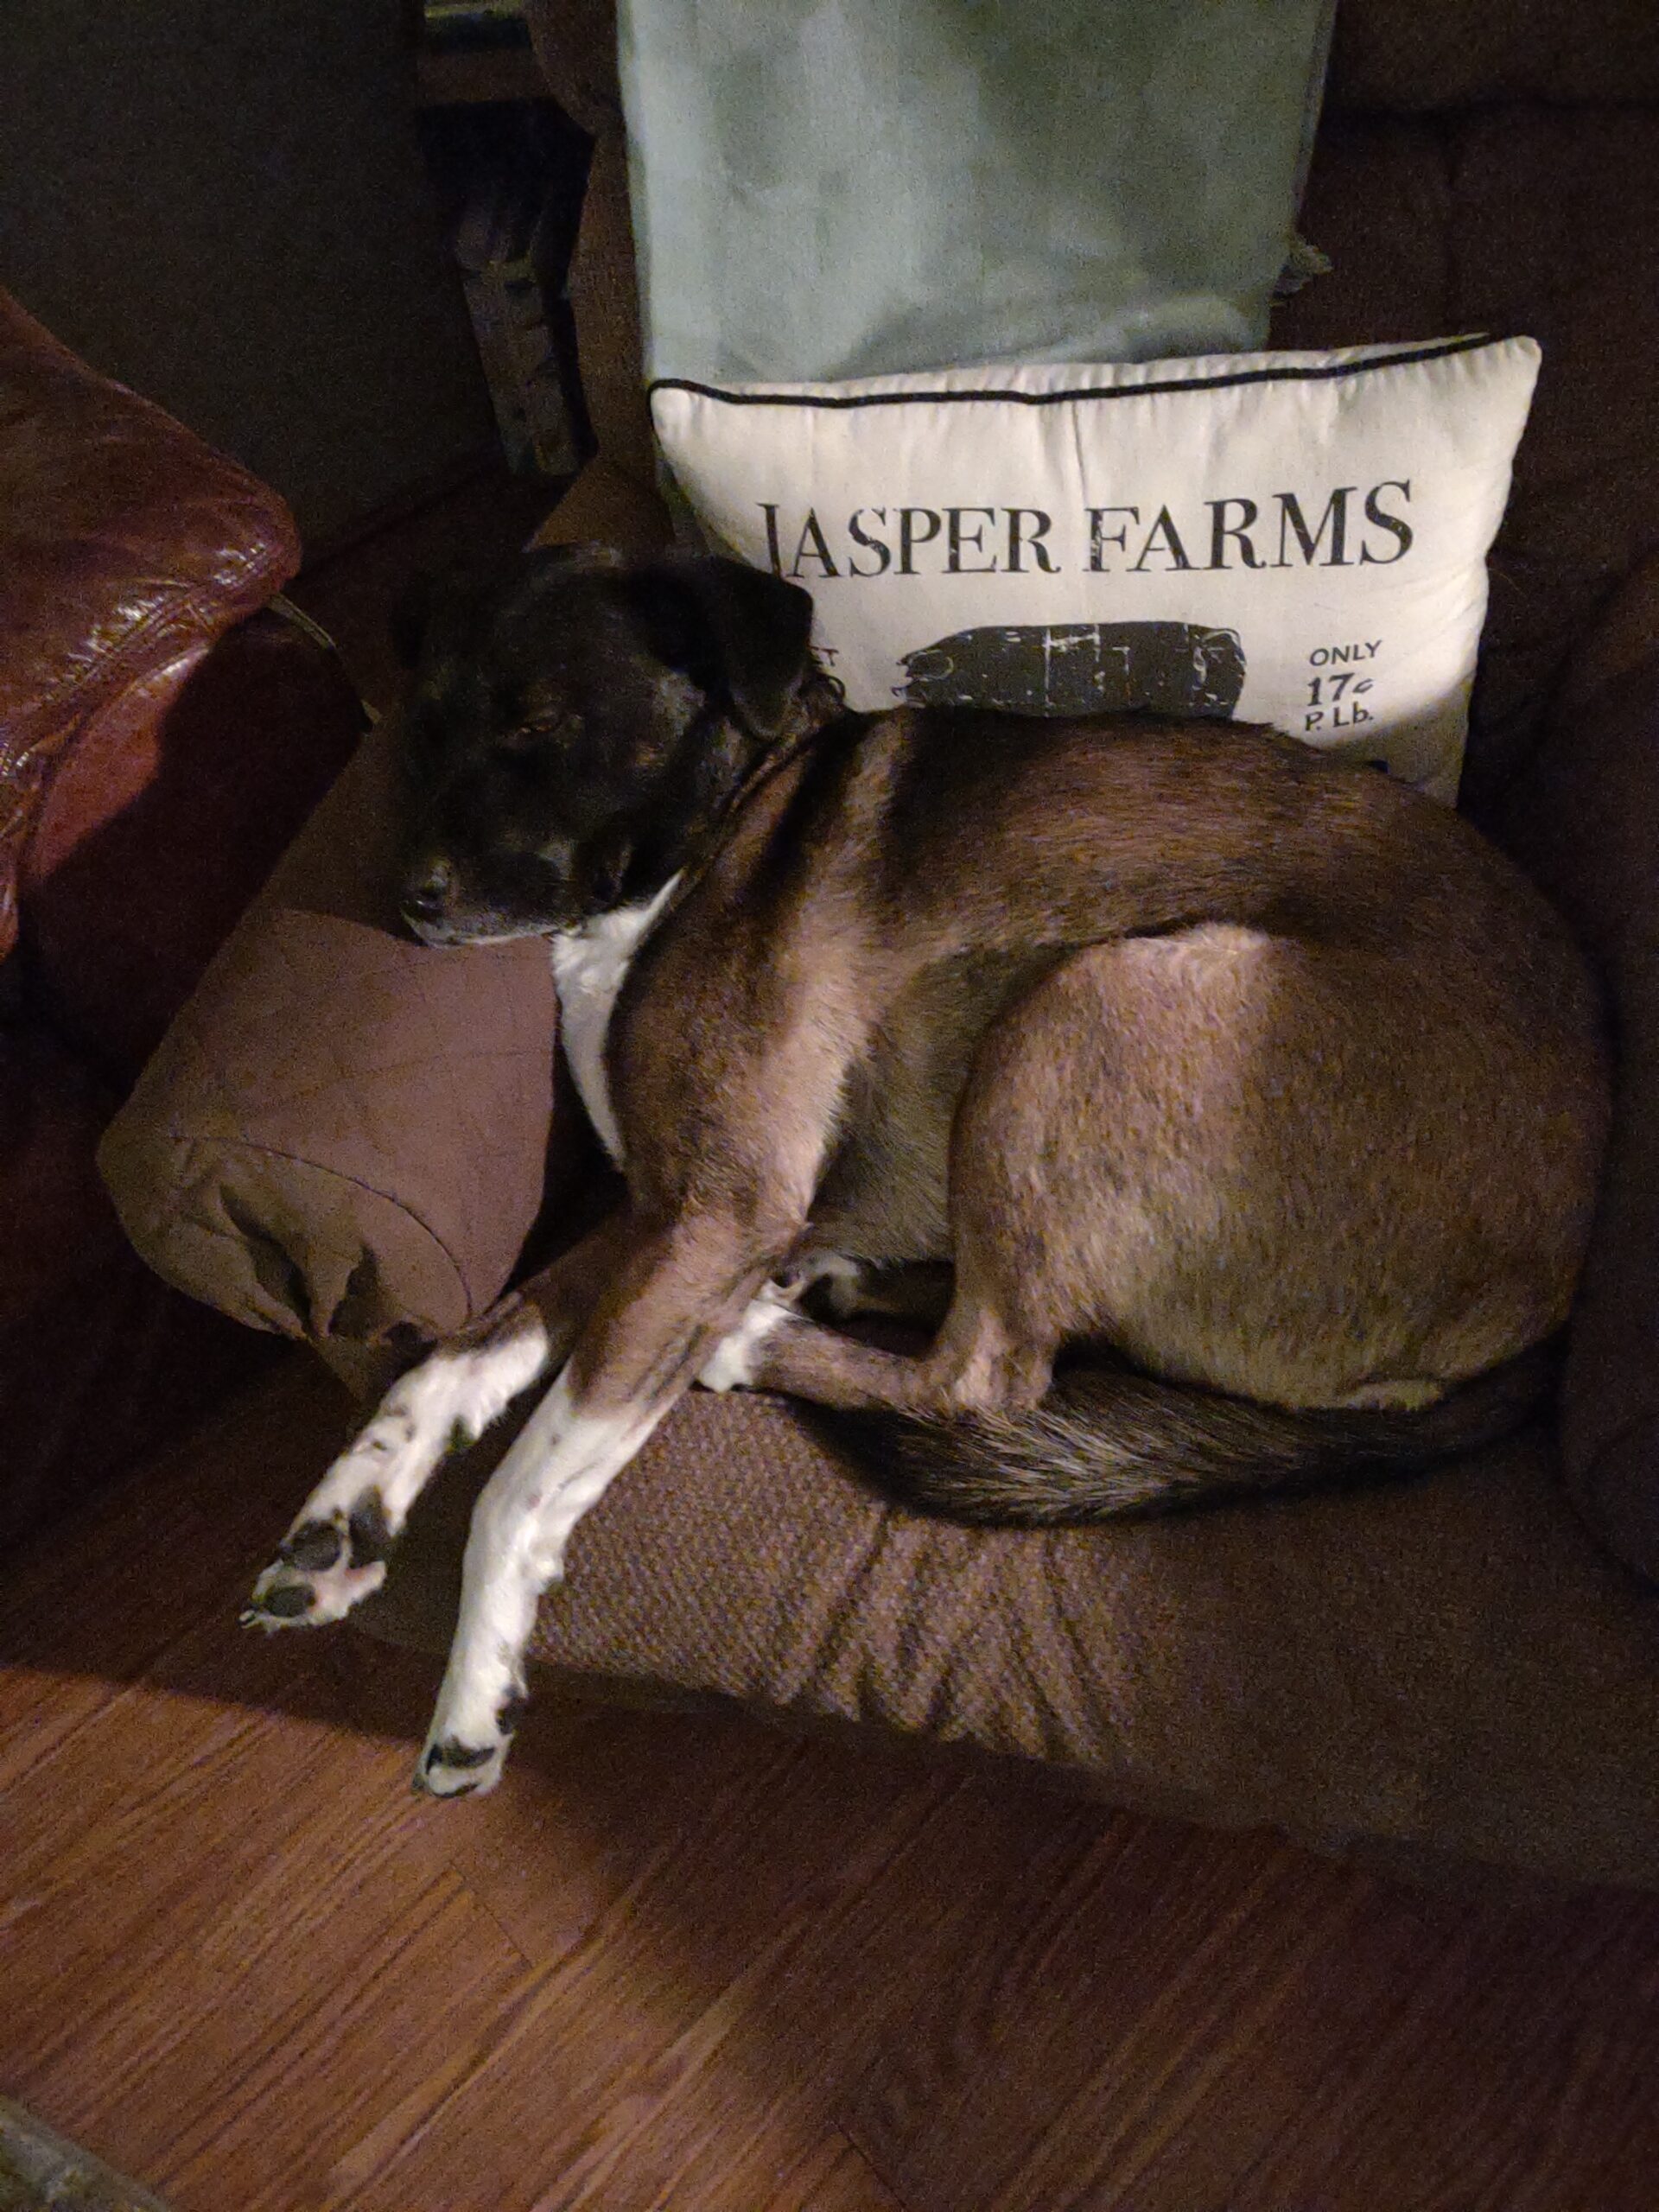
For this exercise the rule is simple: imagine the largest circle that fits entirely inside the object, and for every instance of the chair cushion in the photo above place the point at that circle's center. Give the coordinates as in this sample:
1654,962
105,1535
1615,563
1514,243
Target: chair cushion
1442,1666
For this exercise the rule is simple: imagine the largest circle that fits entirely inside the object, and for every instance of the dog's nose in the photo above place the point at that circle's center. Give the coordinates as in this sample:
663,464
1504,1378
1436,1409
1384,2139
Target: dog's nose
424,896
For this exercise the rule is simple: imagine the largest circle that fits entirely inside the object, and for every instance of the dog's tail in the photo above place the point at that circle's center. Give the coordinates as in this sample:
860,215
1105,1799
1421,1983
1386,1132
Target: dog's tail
1107,1443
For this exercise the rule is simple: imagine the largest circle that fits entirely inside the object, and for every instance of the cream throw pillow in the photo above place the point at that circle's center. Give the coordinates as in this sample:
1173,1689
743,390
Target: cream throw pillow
1294,538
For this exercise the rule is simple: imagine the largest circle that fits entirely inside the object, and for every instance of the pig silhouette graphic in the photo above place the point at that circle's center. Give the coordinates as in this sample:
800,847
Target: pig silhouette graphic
1081,667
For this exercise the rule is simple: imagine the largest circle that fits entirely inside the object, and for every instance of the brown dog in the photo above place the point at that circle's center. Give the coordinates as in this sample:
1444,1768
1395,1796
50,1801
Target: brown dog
1259,1089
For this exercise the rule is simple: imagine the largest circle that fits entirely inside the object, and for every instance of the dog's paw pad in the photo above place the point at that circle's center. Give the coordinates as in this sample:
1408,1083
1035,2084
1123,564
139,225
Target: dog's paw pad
279,1601
369,1535
313,1545
323,1568
737,1361
452,1768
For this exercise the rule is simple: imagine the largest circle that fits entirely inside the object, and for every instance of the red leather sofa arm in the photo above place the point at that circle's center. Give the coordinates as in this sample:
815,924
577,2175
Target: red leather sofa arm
127,546
163,732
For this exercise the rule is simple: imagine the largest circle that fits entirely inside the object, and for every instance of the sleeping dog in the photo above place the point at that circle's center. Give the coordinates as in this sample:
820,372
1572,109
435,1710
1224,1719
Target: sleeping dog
1259,1093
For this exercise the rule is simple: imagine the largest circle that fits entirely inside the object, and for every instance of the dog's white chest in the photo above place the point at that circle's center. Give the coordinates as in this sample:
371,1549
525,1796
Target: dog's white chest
590,965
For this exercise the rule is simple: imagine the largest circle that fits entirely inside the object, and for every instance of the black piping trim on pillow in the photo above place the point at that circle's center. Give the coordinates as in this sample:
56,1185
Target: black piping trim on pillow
1441,350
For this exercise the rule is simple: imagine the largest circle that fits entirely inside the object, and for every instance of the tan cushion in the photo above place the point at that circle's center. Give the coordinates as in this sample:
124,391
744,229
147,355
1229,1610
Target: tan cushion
344,1134
1448,1665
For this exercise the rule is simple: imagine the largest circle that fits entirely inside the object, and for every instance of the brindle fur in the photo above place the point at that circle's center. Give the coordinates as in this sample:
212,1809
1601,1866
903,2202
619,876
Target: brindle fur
1179,1043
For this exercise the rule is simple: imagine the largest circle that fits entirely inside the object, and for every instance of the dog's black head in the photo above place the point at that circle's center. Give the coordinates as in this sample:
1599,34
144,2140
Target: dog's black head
576,728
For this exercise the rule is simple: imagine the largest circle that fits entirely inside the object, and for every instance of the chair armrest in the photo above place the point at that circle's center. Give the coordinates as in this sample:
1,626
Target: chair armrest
345,1135
127,546
164,817
1585,821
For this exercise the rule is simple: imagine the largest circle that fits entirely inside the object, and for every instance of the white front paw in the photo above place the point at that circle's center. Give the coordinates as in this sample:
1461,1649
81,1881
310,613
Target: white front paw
460,1760
450,1767
328,1563
734,1365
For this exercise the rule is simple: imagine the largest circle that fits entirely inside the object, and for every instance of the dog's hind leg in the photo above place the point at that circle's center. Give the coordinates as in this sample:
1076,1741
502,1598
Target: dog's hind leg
334,1554
981,1361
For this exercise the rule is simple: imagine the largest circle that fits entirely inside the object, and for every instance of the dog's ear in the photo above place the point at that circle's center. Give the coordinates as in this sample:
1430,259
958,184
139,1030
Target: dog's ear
753,636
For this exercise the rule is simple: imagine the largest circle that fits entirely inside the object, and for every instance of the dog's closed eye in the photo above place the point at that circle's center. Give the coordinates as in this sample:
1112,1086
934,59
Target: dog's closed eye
536,730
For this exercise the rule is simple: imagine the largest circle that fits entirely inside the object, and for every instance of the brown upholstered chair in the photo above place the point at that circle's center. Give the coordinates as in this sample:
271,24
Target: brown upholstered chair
1466,1665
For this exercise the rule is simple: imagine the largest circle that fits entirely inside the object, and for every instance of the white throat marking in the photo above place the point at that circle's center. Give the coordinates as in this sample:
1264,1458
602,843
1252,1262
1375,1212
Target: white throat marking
590,964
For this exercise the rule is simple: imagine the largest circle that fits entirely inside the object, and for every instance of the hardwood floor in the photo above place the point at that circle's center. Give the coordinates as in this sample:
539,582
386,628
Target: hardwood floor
700,1965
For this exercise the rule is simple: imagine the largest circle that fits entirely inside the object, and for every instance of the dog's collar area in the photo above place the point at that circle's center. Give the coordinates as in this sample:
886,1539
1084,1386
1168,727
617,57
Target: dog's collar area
818,709
620,927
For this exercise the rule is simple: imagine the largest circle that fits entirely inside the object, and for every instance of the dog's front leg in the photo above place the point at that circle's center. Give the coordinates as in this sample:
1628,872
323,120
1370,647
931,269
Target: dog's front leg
334,1554
675,1300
